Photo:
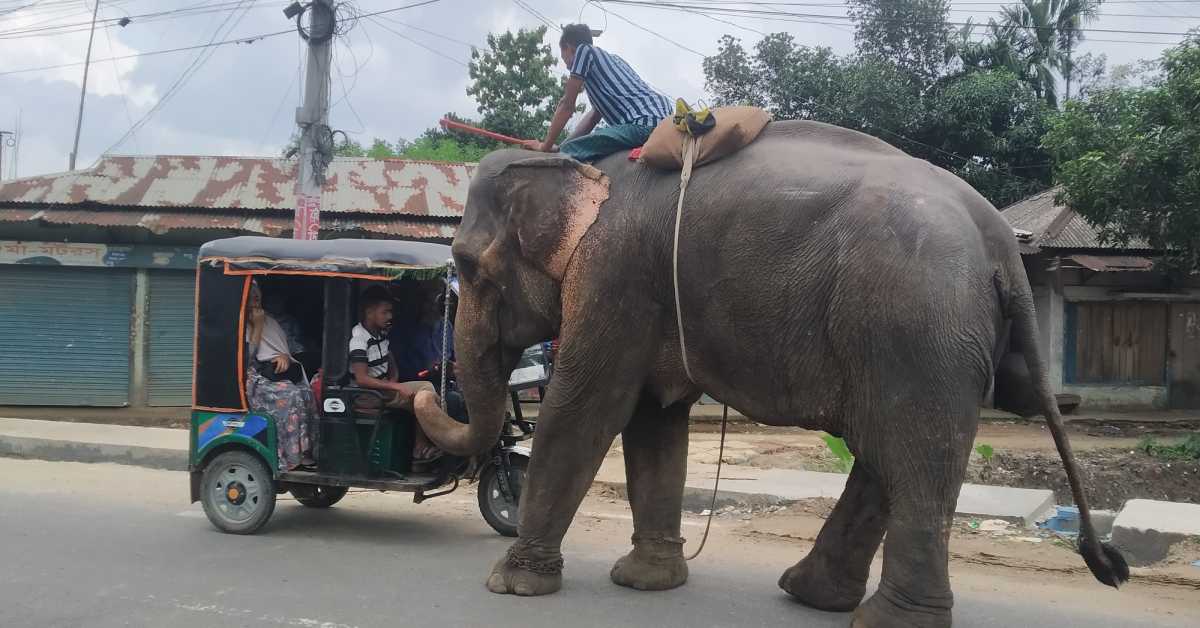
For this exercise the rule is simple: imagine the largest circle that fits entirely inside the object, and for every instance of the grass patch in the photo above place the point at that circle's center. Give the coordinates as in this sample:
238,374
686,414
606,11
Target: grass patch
837,447
1187,449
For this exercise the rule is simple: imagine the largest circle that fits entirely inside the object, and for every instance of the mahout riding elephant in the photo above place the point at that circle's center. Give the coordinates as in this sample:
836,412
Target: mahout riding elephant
825,279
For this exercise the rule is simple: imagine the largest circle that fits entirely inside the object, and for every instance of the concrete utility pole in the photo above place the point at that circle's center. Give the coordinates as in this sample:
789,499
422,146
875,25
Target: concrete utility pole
9,142
87,64
316,140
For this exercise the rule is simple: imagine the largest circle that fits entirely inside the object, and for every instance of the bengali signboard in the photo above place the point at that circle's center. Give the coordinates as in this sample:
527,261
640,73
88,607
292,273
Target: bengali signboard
308,217
97,255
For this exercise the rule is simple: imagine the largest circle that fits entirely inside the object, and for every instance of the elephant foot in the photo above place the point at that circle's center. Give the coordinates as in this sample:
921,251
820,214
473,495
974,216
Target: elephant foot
522,576
890,609
653,565
817,584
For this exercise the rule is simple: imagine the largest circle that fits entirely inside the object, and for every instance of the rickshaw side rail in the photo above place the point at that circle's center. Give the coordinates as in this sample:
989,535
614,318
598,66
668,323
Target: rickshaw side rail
412,482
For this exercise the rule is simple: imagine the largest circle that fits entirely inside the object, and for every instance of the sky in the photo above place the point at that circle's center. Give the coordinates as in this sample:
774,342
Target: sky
392,79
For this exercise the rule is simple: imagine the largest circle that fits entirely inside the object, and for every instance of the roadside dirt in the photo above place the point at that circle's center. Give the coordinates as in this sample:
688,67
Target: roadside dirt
1111,476
1024,456
986,543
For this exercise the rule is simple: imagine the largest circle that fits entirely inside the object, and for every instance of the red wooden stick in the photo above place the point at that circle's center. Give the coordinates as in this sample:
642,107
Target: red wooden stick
459,126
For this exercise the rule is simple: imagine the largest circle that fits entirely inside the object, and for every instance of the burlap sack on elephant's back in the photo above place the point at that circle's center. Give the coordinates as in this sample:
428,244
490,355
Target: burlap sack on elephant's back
736,128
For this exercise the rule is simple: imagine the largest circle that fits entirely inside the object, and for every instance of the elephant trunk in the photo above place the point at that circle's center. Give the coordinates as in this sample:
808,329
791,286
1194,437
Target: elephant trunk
484,380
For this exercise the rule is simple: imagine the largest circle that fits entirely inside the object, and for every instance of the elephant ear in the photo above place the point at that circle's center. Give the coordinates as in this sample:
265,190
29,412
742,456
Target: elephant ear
551,203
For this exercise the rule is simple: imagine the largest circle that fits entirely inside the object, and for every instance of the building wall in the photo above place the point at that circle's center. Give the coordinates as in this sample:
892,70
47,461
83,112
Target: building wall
1054,290
145,280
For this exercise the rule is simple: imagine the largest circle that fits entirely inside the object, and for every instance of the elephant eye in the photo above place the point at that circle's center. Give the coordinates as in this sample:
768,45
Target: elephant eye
467,266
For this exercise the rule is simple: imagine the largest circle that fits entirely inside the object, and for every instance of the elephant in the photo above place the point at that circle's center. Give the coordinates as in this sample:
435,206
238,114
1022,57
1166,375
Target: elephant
823,279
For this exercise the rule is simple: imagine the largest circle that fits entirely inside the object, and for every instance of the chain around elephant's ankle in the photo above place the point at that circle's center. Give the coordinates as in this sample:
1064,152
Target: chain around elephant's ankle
541,567
658,548
657,539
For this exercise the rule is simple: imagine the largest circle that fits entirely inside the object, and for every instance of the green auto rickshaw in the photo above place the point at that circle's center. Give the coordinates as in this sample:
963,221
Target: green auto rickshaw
315,286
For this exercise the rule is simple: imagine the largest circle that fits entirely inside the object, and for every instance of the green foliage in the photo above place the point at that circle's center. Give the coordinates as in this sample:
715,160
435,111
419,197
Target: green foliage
837,447
996,122
911,34
1188,449
444,149
985,451
796,82
1129,160
1047,31
513,83
985,125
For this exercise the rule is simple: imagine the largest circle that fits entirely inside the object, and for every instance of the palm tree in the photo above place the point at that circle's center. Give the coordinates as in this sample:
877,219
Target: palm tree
1049,29
1001,48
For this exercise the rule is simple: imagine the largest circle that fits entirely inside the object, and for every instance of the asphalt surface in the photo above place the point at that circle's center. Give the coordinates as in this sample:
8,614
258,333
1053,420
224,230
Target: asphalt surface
105,545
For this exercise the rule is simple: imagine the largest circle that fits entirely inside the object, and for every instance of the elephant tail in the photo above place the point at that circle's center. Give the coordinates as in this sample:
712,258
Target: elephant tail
1104,561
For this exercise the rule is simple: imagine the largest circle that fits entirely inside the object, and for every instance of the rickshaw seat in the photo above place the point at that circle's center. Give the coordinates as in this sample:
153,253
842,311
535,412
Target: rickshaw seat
355,412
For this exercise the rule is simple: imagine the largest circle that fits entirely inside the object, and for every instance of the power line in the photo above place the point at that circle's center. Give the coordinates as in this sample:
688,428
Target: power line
844,18
545,20
65,29
429,32
198,62
240,40
278,109
217,6
121,86
397,33
643,28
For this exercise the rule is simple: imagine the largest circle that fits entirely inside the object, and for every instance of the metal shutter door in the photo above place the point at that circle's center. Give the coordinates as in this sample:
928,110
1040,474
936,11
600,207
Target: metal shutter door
172,326
64,336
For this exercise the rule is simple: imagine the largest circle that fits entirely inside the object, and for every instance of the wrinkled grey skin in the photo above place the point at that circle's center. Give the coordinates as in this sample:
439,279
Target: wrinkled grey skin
827,281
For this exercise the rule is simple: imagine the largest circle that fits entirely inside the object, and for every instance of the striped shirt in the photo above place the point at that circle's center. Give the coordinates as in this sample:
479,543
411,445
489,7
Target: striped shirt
616,91
367,348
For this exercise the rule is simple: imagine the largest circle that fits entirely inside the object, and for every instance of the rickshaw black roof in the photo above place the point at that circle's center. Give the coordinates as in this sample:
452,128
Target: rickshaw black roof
375,257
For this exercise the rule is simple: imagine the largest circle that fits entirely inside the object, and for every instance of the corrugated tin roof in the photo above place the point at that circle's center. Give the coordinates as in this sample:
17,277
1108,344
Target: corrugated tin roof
373,186
1112,263
1056,226
258,224
391,198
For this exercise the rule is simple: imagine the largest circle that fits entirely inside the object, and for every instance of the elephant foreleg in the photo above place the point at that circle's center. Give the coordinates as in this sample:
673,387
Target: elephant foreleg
656,444
596,386
833,576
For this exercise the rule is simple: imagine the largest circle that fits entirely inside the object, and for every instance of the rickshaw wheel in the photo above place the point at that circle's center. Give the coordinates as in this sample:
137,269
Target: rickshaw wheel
315,496
237,492
500,512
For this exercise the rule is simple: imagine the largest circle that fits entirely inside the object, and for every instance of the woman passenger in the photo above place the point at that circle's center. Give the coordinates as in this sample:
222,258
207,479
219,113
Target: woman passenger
277,385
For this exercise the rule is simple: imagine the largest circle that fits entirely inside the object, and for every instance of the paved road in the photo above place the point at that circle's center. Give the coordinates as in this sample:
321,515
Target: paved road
105,545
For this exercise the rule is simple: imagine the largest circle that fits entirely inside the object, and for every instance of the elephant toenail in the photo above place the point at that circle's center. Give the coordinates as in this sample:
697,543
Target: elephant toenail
495,584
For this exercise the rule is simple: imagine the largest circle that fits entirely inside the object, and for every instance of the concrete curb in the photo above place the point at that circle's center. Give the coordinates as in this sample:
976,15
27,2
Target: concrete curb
697,500
70,451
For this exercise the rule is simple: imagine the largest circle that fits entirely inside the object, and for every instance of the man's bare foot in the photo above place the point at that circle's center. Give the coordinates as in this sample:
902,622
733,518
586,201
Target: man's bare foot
423,450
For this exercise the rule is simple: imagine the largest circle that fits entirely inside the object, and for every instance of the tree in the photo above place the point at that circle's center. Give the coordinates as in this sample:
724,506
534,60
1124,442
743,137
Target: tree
1001,48
1048,30
983,124
1088,73
513,83
346,148
797,82
912,34
1129,160
993,122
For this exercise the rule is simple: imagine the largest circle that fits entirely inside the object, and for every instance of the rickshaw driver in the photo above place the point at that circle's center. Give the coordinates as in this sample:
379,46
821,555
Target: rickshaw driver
374,366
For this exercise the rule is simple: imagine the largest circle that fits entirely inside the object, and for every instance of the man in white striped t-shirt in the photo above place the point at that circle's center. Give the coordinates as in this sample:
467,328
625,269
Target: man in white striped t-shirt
620,97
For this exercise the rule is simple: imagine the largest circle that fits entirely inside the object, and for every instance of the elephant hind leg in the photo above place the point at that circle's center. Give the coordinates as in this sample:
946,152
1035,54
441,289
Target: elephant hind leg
655,444
833,576
922,469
